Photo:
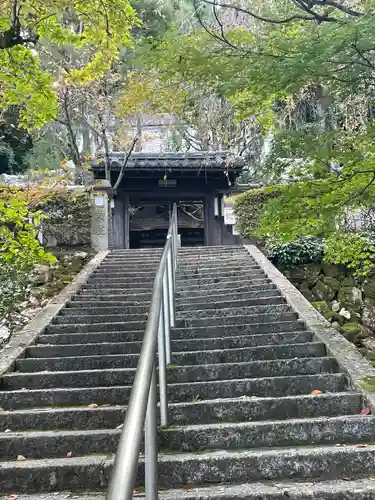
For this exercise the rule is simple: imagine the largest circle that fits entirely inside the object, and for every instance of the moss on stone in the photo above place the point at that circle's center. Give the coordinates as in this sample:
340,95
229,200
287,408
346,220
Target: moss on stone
331,270
369,288
324,308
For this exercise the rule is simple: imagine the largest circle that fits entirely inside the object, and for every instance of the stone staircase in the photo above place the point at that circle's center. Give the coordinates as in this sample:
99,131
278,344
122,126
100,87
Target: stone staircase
244,423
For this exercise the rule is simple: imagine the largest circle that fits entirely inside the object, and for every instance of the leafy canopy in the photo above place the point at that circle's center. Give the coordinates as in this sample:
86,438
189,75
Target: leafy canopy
97,28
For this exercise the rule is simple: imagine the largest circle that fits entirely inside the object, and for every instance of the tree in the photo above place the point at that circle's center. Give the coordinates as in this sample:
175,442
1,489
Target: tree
20,251
101,27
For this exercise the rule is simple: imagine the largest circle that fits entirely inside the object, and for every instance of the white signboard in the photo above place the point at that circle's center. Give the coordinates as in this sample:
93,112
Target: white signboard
229,218
99,201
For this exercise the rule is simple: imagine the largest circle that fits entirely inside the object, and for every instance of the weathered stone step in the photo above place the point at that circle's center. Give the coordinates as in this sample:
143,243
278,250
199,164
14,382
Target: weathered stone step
102,343
100,362
58,474
72,396
76,317
273,308
240,355
128,275
217,272
244,283
238,329
214,411
328,462
276,313
57,444
124,296
121,280
360,489
194,373
179,392
127,287
212,292
293,432
135,330
227,296
106,307
231,303
219,278
266,386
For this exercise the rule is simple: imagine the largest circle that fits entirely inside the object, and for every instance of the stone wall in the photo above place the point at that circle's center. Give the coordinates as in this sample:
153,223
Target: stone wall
68,222
347,302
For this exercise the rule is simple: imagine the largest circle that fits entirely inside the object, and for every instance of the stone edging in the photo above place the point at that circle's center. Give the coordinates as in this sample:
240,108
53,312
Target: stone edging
350,360
20,341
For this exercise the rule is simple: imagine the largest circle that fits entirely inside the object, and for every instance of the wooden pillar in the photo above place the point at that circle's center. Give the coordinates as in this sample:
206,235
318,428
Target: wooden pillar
126,222
209,221
118,222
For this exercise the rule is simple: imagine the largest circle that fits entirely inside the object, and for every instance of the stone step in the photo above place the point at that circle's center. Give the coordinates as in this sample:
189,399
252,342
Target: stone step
262,387
236,330
215,411
132,287
276,313
359,489
128,275
274,308
194,469
117,307
135,331
211,293
239,355
110,343
105,307
178,393
122,280
244,283
246,435
105,377
58,443
76,317
127,298
227,296
328,462
221,277
194,438
231,303
218,271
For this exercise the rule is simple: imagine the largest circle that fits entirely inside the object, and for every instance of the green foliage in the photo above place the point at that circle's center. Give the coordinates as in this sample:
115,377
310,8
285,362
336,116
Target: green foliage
354,250
248,208
96,29
303,251
20,251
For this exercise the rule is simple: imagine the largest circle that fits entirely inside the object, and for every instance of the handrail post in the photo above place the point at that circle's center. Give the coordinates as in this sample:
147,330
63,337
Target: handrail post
151,451
162,368
167,318
171,288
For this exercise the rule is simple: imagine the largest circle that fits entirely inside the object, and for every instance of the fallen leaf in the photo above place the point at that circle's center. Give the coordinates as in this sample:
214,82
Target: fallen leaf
21,458
371,478
315,392
363,445
93,405
347,479
365,411
120,426
7,430
12,497
1,409
69,454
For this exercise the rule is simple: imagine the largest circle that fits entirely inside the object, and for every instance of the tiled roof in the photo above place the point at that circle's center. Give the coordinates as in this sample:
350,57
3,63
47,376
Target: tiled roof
215,160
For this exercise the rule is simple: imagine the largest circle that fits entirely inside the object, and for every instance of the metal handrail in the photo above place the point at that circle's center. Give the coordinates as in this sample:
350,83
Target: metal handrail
142,408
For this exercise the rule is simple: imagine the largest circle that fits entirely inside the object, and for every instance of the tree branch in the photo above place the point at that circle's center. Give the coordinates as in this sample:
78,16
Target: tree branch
125,162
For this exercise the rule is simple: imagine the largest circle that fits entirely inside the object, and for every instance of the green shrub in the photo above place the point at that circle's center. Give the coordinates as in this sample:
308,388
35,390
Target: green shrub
248,208
305,250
